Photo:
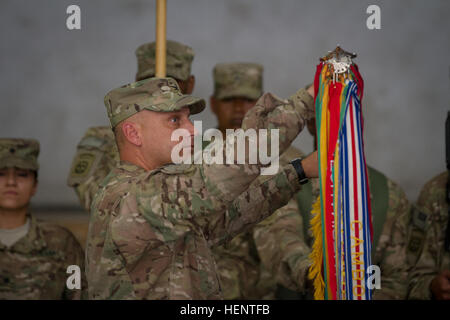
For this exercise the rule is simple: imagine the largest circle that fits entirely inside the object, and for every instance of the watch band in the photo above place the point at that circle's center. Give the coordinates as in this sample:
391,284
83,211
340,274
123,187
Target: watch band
297,164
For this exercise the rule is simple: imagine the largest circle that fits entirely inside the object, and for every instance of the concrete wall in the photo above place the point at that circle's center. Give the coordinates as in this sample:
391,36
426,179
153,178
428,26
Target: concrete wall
52,81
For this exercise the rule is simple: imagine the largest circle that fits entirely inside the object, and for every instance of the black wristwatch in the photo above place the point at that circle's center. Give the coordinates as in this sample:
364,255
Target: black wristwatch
297,164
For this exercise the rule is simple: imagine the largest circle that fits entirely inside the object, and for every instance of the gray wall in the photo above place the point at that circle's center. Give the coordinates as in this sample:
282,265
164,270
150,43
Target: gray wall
52,81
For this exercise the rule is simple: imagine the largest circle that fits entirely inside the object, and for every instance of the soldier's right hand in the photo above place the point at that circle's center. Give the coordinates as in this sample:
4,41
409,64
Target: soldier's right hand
440,286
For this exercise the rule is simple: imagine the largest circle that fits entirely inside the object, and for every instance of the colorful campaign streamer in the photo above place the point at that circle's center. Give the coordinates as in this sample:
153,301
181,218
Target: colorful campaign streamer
341,223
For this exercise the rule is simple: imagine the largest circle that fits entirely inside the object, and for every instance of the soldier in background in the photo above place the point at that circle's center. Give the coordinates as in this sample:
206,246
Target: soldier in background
153,222
284,239
237,87
97,151
430,236
430,277
34,255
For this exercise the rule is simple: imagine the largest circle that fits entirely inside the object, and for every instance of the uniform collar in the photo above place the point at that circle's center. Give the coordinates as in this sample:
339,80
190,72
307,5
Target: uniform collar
134,170
33,240
129,167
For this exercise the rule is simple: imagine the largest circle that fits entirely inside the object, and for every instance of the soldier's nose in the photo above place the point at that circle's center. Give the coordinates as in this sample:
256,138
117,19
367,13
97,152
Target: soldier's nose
238,106
11,179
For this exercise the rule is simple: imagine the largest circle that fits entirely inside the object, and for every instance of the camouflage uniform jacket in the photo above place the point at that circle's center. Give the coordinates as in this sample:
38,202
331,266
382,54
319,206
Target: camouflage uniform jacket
177,212
284,247
432,221
241,273
96,156
34,268
391,253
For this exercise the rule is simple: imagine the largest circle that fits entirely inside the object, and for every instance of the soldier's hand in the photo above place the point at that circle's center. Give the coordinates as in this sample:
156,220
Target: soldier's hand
310,165
440,286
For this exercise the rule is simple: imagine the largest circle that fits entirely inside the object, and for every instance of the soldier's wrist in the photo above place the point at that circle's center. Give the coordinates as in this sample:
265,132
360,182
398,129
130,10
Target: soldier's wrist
298,166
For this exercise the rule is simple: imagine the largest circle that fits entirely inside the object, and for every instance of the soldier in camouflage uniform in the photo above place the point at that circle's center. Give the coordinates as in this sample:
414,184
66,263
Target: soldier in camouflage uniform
97,152
34,255
430,277
237,86
284,240
152,222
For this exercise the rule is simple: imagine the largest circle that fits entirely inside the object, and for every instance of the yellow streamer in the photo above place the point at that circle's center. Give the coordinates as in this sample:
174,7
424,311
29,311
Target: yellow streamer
316,255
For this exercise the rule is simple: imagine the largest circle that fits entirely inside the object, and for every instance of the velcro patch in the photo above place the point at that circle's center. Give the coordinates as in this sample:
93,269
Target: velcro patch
415,242
83,166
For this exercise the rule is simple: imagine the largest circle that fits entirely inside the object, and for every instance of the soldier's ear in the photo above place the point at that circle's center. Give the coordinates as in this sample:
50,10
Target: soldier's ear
131,133
190,84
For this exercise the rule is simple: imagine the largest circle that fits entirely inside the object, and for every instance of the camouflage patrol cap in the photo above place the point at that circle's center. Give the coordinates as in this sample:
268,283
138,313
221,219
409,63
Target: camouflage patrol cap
19,153
178,60
154,94
238,80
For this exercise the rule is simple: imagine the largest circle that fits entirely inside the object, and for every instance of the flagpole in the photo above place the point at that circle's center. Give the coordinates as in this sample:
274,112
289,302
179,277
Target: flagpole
161,6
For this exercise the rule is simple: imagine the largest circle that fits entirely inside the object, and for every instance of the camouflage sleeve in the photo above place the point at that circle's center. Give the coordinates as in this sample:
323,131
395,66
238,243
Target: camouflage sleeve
425,268
187,197
288,116
427,235
391,251
259,201
281,246
95,157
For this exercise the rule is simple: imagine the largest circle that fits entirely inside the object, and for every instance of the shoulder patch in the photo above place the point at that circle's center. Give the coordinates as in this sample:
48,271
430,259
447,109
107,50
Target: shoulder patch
83,166
415,241
417,233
